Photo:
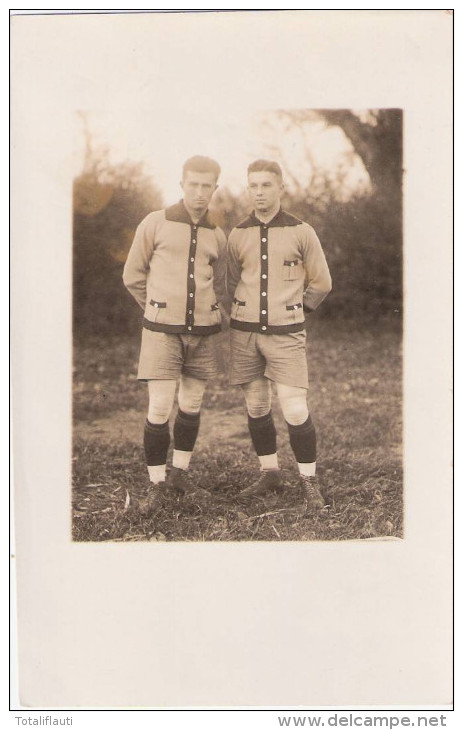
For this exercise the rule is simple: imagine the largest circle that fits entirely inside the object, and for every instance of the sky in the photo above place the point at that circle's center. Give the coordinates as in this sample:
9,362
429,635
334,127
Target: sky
163,140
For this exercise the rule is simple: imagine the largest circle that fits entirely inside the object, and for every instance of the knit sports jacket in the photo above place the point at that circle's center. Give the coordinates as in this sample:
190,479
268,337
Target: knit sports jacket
276,271
176,272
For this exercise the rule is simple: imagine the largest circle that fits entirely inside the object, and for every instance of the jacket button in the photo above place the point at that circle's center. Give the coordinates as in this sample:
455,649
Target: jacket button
156,304
264,276
189,329
191,276
264,293
264,240
264,256
264,311
191,294
264,327
194,240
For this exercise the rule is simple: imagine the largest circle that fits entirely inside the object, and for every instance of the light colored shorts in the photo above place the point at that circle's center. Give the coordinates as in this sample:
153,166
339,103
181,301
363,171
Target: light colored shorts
281,358
165,356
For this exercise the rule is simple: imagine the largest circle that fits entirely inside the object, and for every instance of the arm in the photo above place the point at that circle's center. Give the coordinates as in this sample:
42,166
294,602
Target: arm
137,265
318,277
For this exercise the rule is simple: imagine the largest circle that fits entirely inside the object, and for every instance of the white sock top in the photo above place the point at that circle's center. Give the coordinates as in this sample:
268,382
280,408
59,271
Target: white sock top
181,459
307,470
157,473
269,461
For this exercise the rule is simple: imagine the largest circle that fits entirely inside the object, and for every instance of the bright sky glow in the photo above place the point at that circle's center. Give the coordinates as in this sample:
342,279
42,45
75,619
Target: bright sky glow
163,139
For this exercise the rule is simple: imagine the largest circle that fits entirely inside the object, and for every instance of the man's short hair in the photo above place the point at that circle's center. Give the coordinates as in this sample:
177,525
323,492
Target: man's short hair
201,164
266,166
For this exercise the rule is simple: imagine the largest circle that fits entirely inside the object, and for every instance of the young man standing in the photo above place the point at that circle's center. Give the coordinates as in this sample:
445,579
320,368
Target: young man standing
176,272
276,272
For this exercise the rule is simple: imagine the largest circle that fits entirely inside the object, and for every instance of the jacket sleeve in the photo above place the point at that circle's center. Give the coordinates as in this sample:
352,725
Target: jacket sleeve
233,265
137,265
219,266
318,279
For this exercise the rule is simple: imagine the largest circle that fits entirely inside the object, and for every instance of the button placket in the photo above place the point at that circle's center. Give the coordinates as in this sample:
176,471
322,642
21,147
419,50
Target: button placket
263,310
191,285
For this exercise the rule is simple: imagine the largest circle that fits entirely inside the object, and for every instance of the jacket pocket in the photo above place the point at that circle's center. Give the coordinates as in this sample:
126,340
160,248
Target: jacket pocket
158,305
237,308
295,310
291,270
154,309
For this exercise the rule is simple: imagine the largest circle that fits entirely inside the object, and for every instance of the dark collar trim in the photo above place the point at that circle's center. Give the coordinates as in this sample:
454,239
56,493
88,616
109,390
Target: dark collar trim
179,214
281,219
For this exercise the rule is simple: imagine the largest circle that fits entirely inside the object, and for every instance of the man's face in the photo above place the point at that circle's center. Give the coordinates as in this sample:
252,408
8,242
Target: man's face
265,190
198,189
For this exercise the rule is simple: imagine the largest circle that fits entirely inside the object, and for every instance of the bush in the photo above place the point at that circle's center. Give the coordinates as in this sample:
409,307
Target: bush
109,203
362,241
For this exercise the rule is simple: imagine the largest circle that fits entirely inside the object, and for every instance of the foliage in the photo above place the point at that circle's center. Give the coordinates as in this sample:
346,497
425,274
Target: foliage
364,254
377,139
372,136
109,202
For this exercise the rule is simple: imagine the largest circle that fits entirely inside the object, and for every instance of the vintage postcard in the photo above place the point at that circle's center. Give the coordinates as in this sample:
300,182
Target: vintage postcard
231,349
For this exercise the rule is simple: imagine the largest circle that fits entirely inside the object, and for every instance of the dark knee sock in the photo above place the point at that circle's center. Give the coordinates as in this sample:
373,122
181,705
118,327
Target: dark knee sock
263,434
303,441
156,440
186,429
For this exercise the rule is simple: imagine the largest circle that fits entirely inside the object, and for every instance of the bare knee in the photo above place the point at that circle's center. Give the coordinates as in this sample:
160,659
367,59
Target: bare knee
161,400
258,396
293,403
190,394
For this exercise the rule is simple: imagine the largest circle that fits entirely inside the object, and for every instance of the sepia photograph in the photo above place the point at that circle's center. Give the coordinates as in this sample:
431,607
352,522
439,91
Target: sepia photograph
217,395
231,358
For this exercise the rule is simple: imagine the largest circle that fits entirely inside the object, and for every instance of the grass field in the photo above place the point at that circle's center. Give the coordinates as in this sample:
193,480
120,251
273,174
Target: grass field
355,399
